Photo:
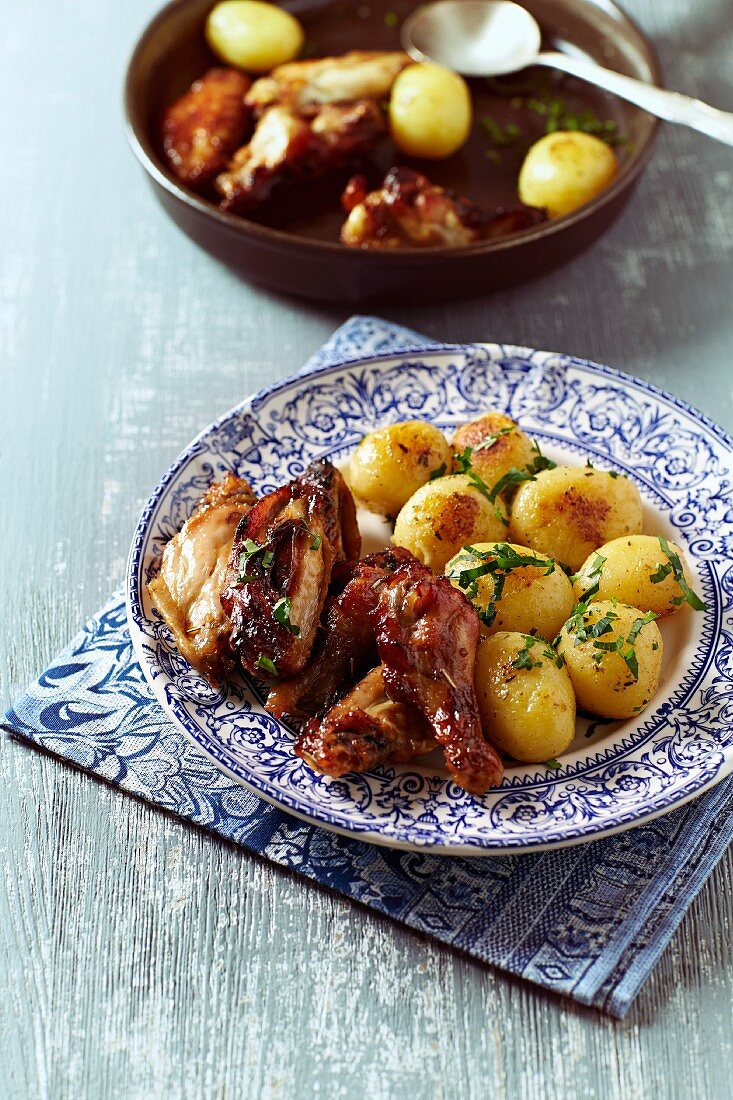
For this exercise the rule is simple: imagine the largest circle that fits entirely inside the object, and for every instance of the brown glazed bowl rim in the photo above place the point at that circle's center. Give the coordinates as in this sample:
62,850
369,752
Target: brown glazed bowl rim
145,152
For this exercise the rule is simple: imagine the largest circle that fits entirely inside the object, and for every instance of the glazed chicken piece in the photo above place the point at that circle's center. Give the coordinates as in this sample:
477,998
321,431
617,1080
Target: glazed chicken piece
280,569
289,144
364,729
346,645
188,587
203,128
408,211
427,632
360,74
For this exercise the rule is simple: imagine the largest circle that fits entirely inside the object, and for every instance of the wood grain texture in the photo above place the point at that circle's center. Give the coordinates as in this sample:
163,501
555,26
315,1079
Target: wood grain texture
139,957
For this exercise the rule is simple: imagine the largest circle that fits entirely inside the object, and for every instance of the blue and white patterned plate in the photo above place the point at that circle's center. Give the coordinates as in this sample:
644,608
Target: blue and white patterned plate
614,776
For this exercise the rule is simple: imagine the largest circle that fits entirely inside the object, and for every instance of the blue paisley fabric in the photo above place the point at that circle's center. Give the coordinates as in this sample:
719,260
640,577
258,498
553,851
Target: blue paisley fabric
588,922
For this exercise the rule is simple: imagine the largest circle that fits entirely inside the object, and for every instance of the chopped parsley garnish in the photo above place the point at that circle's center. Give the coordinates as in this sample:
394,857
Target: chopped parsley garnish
688,596
492,439
595,722
281,611
463,461
501,136
498,563
594,575
478,482
440,472
553,765
316,540
266,664
523,658
514,476
252,550
624,646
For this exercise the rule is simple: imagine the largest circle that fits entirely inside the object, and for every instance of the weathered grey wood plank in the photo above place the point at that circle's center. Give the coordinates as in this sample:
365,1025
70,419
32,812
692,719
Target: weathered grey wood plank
139,957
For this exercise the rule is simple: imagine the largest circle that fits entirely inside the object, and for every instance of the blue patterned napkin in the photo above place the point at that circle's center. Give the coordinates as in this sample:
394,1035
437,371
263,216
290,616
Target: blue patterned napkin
589,922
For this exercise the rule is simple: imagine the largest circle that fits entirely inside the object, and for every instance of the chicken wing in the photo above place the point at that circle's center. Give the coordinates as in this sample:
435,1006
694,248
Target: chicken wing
188,587
289,144
364,729
280,568
346,645
360,74
408,211
203,128
427,633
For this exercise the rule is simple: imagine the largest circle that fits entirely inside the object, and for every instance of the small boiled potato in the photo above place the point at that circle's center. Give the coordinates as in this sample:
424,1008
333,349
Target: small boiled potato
430,111
497,443
615,683
624,570
571,510
390,464
253,35
526,702
445,515
531,599
564,170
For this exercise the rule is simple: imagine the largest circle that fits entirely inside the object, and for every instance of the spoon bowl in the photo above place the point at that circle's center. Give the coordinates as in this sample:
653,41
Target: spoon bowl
473,37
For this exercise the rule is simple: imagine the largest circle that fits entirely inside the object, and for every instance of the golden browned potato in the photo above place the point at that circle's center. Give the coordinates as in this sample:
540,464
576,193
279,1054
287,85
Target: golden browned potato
430,111
496,443
390,464
525,696
614,657
644,571
565,170
517,589
571,510
445,515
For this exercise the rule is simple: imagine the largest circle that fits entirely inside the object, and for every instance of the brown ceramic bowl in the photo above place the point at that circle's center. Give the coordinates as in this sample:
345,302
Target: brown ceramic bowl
293,247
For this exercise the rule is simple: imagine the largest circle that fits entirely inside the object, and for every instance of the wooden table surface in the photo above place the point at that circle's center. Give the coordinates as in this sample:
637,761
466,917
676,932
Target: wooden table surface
138,956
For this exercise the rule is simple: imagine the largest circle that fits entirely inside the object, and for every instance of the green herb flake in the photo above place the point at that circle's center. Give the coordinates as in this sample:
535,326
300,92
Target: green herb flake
463,461
281,612
688,596
391,19
440,472
492,439
553,765
266,664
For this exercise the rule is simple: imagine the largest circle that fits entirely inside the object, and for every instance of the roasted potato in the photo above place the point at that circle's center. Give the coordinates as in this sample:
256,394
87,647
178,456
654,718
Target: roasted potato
496,443
525,696
390,464
445,515
430,111
253,35
570,510
535,597
565,170
641,570
614,656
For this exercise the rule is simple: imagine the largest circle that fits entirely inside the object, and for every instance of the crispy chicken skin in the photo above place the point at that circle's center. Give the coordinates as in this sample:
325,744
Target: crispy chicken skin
427,632
408,211
359,74
187,589
288,145
364,729
280,568
346,645
203,128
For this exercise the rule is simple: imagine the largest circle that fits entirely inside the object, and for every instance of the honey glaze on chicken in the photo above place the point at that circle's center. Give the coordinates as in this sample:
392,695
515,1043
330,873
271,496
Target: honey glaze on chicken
280,569
187,590
410,211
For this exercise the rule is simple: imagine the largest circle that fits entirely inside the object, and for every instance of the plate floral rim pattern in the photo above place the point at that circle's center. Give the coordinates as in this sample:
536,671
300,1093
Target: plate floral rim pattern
683,465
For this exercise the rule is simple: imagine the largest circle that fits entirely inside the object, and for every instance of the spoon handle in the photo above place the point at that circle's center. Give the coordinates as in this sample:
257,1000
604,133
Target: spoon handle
672,106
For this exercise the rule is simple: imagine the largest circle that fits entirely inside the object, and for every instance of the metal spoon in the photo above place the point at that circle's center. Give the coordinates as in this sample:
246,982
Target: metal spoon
494,37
